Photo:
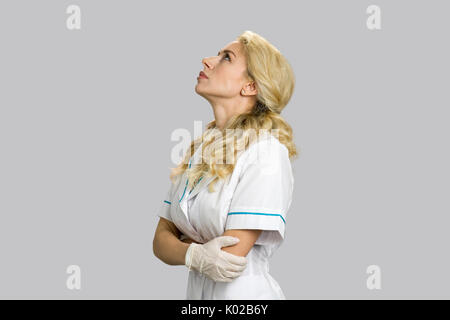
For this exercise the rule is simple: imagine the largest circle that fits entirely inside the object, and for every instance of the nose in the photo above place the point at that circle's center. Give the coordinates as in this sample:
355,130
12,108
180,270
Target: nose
208,63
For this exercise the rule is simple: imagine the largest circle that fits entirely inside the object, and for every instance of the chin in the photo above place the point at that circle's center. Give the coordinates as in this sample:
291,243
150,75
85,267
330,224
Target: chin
199,91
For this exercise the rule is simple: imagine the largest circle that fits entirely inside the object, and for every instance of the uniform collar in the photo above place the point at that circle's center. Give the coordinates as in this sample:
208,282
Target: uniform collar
204,182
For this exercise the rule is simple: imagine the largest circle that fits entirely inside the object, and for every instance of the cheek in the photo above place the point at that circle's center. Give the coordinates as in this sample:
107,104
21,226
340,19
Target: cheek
229,80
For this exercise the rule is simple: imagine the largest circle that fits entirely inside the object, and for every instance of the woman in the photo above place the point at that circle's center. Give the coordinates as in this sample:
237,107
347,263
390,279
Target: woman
225,211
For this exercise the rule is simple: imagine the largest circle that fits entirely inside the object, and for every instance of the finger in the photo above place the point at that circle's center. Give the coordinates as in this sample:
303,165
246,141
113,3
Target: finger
232,267
235,268
234,259
228,275
222,275
232,275
218,278
224,280
225,241
231,272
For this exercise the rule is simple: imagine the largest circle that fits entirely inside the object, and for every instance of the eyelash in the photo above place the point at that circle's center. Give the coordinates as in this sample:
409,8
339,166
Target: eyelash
227,55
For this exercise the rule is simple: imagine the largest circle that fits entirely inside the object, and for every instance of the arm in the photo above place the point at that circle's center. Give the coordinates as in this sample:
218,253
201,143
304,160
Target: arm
189,240
207,258
247,239
167,245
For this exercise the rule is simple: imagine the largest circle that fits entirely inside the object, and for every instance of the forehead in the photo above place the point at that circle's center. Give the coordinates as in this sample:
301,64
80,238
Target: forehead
234,46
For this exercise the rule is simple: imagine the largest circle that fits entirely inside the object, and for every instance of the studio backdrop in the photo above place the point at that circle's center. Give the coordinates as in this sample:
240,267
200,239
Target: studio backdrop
94,96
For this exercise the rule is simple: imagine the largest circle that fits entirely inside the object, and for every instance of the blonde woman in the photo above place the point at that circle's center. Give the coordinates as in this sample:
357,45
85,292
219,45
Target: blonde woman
225,211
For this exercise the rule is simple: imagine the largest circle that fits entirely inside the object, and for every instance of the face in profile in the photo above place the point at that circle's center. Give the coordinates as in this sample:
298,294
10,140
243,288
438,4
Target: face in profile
223,76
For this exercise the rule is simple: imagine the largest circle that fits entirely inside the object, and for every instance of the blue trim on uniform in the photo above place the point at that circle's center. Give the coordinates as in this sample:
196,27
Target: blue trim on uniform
186,183
184,191
195,185
167,202
258,213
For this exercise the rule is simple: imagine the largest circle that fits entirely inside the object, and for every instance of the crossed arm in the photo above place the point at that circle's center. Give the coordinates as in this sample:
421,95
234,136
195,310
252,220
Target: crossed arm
169,249
247,239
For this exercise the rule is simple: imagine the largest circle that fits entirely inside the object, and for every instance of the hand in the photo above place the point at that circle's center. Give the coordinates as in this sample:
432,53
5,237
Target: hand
210,260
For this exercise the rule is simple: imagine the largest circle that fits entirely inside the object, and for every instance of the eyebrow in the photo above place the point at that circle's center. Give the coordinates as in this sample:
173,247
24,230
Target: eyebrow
227,51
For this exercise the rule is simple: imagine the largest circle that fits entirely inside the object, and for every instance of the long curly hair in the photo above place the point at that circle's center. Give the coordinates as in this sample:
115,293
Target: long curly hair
275,82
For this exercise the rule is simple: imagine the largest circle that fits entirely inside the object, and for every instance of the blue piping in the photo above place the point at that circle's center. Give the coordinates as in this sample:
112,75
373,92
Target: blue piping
259,213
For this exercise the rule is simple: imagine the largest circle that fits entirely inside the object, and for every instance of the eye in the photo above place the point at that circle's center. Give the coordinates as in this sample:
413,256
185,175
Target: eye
227,55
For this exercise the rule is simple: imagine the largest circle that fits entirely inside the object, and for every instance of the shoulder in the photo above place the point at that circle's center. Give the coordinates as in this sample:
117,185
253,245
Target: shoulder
266,148
267,153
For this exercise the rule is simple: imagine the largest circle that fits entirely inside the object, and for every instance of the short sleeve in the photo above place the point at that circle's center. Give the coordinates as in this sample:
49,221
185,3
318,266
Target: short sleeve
263,193
163,210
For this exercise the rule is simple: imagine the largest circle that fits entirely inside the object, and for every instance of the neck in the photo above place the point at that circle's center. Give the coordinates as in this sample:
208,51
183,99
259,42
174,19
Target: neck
224,111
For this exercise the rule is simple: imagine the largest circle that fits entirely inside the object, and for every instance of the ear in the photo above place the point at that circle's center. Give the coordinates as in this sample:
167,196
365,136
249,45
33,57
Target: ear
251,89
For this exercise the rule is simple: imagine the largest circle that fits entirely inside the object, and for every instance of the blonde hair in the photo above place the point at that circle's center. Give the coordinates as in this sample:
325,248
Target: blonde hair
275,81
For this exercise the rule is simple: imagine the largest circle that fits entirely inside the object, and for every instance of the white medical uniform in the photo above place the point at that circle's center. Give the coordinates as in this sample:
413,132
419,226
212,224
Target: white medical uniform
257,195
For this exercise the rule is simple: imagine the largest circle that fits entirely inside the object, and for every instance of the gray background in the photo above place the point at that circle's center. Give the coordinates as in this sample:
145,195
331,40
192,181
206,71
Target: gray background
86,118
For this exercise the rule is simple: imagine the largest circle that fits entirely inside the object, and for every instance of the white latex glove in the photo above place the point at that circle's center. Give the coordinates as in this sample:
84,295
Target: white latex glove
210,260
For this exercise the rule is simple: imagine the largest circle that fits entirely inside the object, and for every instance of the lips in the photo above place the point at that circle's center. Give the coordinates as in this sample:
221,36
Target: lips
203,75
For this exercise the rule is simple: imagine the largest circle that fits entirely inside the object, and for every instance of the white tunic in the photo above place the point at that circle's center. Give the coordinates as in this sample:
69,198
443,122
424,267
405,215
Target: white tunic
257,195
